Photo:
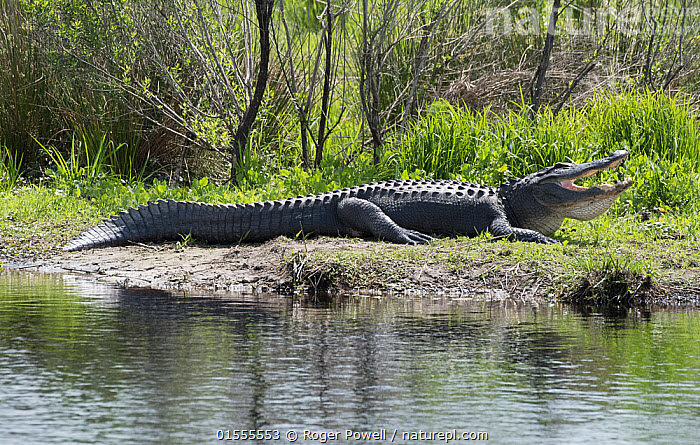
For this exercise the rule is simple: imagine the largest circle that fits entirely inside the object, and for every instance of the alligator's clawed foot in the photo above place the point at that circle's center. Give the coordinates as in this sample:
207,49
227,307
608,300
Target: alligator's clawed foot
413,237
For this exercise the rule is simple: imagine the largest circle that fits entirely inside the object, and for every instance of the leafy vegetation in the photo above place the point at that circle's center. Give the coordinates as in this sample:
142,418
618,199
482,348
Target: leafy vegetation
660,132
171,82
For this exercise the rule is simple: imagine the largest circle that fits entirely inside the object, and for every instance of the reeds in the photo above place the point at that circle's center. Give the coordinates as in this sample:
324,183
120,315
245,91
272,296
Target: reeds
86,164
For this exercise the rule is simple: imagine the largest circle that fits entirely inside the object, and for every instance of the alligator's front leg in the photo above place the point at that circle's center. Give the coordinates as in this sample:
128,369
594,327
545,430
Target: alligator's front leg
502,227
366,217
531,236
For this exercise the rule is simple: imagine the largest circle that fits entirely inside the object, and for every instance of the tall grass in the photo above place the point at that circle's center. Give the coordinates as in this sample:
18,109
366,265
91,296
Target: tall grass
653,124
663,136
25,96
125,159
463,144
459,143
10,168
660,131
85,165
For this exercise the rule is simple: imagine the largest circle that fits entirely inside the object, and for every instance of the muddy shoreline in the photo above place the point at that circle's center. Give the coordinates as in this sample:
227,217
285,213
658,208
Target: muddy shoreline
168,266
337,265
281,265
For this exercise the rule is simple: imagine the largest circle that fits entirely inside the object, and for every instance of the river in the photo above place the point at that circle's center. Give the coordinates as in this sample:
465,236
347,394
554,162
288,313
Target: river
82,362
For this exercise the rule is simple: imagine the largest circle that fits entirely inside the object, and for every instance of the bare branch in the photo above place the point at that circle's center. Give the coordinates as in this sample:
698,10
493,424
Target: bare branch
678,55
539,77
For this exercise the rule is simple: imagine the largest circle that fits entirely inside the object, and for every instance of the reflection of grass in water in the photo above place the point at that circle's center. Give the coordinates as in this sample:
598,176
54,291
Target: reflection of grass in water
42,307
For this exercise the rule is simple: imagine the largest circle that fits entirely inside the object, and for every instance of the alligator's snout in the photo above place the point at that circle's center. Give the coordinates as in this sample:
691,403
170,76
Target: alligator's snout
617,157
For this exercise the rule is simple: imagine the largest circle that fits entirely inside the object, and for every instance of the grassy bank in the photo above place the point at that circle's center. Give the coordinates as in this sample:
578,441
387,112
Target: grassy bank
616,261
646,245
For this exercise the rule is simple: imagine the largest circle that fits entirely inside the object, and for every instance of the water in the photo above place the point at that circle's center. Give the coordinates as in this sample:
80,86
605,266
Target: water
84,363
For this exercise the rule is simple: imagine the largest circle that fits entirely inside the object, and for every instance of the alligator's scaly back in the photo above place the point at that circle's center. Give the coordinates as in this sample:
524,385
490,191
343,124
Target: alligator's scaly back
372,209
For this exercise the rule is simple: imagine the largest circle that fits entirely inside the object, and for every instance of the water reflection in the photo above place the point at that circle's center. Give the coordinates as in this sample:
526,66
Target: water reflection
86,363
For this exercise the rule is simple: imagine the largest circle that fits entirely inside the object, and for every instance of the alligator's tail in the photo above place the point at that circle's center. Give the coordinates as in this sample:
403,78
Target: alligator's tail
162,220
214,223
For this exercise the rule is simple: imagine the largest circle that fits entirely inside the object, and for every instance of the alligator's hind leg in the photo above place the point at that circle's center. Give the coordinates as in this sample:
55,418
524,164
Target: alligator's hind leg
366,217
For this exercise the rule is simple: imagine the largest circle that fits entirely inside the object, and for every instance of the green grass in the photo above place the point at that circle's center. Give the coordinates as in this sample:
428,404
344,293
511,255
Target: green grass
39,220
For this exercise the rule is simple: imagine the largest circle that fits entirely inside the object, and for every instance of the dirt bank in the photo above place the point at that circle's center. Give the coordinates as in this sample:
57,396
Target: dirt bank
463,268
280,265
169,266
285,265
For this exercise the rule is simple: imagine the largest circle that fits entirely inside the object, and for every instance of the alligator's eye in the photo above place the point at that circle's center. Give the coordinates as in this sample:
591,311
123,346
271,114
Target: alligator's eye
561,165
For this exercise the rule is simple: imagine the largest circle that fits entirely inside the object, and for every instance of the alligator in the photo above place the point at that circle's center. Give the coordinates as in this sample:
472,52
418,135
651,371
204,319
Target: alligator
530,208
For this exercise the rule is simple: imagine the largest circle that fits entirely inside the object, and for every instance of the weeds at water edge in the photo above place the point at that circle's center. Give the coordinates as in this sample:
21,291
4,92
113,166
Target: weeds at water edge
612,281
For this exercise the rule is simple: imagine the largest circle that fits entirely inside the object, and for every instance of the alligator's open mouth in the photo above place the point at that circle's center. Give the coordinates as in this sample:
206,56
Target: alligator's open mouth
607,188
555,196
559,192
618,186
